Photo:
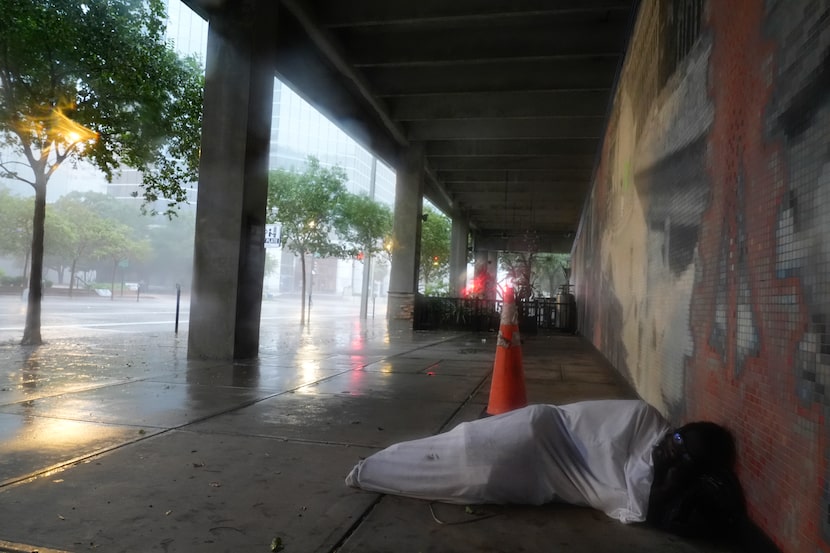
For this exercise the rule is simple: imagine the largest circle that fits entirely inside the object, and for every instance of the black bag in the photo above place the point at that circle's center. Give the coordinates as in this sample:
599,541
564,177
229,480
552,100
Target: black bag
710,505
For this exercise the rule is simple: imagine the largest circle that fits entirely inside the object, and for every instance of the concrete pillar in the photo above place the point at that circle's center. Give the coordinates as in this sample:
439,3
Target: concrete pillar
458,257
229,253
367,286
486,273
492,274
406,235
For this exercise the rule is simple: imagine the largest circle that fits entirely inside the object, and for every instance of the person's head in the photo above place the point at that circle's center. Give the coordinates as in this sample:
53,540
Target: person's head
708,445
695,447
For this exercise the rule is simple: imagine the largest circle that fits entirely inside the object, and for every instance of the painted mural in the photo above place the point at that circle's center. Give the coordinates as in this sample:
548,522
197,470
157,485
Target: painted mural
702,264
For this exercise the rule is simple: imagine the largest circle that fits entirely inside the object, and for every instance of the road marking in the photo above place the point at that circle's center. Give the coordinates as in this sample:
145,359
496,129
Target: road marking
99,325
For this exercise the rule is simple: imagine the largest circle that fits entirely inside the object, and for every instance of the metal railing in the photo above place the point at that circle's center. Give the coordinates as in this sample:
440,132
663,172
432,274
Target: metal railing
481,315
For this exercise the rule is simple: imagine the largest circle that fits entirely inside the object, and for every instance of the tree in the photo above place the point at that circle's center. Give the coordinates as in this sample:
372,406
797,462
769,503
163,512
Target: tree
16,226
117,247
94,80
82,238
553,271
519,269
435,247
533,273
321,218
366,223
307,205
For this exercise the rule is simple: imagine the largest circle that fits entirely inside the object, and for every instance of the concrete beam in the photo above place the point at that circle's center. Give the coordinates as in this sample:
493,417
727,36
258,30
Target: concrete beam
508,147
534,37
589,73
303,67
478,105
384,12
542,243
499,129
513,163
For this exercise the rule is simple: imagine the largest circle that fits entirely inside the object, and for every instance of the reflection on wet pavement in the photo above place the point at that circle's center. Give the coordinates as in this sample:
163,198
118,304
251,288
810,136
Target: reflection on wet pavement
137,448
75,397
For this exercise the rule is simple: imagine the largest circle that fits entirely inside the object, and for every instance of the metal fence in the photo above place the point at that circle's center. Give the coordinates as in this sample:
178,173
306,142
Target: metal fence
438,313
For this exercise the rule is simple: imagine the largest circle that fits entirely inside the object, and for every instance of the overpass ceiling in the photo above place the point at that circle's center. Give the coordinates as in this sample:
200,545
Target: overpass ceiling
509,97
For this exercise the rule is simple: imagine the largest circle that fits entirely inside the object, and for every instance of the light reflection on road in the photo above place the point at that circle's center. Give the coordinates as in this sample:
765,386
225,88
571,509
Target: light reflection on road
88,316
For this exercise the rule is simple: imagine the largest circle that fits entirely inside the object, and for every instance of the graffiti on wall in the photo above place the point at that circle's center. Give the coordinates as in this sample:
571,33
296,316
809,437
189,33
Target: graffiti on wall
706,247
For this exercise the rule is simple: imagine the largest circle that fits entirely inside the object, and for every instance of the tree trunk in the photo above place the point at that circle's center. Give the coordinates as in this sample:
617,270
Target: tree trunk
26,263
72,277
112,286
302,294
31,331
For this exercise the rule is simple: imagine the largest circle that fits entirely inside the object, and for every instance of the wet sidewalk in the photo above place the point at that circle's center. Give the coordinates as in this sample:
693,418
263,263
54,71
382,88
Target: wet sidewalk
119,444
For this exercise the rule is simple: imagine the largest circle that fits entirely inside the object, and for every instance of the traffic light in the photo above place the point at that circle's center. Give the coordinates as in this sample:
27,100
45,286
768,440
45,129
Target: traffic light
360,256
435,260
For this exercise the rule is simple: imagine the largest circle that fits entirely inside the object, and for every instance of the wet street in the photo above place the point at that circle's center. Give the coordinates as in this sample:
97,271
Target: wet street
111,440
65,317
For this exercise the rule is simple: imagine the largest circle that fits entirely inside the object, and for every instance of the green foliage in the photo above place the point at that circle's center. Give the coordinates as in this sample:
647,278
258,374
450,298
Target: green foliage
307,205
94,80
552,270
319,216
366,223
435,249
101,67
535,274
160,250
15,225
16,282
82,235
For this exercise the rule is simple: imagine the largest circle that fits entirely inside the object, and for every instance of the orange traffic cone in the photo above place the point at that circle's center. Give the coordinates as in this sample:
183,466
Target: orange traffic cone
507,390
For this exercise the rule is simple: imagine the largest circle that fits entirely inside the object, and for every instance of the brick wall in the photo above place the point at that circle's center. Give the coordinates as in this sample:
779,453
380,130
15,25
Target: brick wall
702,262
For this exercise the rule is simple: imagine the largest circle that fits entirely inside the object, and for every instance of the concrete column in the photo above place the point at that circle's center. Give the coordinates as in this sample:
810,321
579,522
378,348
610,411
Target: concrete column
406,235
458,257
486,275
492,274
367,286
229,253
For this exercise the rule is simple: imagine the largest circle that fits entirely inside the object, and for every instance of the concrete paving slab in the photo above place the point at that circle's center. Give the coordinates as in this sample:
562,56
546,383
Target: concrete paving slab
32,444
255,376
402,524
143,404
397,385
401,364
183,492
444,367
330,418
559,393
84,363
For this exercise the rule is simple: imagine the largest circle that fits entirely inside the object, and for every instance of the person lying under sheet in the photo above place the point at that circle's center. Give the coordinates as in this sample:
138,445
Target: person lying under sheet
619,456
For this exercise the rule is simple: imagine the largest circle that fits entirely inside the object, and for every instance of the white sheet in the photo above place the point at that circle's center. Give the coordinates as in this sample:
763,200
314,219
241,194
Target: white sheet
593,453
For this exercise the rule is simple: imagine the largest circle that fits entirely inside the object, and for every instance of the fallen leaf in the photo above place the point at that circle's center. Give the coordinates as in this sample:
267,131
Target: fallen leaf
276,544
